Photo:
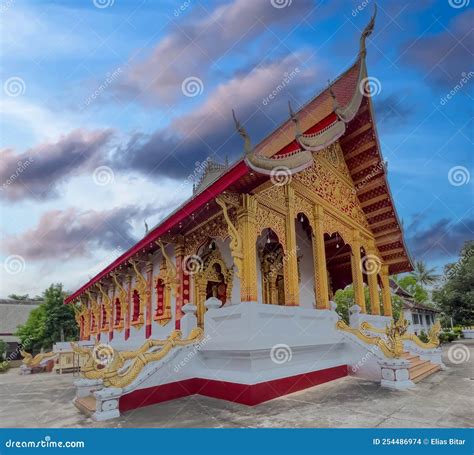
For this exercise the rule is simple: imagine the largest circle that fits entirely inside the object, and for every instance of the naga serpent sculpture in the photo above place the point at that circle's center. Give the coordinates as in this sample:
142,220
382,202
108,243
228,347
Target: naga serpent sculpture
116,373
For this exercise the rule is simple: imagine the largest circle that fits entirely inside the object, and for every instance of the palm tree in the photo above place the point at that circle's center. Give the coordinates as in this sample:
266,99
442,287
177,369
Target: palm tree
424,276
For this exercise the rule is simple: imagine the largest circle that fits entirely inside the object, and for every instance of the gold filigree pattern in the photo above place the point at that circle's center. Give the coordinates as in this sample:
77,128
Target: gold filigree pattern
267,219
320,179
216,229
334,156
332,225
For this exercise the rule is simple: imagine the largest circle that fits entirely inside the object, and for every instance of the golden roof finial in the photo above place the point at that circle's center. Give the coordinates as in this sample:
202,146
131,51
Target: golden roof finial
241,130
367,32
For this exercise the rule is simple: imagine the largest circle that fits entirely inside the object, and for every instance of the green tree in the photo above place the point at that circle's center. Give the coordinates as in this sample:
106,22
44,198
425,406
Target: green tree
3,350
344,299
455,297
51,322
411,285
31,333
19,297
424,275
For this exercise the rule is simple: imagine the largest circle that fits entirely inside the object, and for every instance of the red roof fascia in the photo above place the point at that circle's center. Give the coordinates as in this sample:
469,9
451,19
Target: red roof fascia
216,188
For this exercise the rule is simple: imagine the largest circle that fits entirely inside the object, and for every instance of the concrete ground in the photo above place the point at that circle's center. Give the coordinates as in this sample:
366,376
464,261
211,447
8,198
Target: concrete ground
446,399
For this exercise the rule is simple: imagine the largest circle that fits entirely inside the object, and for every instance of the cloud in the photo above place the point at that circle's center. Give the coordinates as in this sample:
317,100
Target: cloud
209,131
71,233
192,48
391,109
444,57
38,172
442,239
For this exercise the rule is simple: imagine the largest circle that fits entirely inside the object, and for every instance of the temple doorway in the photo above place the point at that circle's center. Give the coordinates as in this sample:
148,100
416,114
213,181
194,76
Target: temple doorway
271,259
214,278
305,258
338,263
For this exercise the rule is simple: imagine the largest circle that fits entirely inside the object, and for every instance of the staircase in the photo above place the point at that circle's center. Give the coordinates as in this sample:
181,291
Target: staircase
419,369
86,405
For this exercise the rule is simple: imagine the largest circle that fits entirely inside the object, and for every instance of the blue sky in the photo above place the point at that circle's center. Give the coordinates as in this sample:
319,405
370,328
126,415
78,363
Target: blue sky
99,132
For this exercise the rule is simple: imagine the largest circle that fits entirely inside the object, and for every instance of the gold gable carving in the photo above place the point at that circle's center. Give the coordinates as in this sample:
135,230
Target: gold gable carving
327,184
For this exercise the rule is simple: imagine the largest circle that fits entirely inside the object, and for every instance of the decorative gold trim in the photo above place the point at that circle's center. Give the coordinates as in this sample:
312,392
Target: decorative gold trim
433,335
32,362
391,346
123,299
141,286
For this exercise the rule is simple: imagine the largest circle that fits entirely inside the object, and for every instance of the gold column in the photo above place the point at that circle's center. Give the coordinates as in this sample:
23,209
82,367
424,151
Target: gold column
291,258
372,268
386,294
246,225
319,258
357,278
200,283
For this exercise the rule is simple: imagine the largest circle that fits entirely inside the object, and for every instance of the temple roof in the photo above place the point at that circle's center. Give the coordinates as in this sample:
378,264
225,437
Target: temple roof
361,149
12,314
212,170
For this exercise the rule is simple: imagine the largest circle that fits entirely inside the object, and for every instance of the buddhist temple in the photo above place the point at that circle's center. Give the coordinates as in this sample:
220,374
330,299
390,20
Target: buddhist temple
231,296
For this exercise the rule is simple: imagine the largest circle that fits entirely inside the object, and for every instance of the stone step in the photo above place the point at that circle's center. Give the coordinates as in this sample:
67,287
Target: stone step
408,356
424,372
86,405
415,364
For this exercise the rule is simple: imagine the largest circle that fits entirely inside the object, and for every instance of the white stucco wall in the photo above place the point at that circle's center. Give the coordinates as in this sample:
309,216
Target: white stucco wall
306,265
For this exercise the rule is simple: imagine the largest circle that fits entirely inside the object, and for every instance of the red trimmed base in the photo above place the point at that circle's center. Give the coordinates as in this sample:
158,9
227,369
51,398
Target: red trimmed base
250,395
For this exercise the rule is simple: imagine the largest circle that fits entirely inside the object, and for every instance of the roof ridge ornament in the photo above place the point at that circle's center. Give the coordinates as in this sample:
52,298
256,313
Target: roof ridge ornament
248,149
369,28
294,119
